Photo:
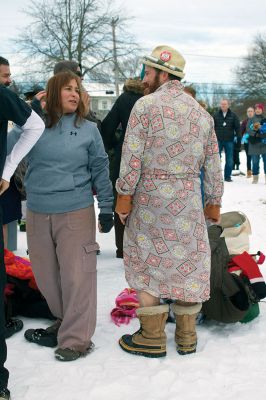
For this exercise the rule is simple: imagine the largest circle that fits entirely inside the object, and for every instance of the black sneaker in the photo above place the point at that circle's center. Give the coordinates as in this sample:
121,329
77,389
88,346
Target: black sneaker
4,394
41,337
13,326
71,354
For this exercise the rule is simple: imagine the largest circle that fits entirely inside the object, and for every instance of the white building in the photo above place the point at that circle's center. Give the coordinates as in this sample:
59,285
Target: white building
102,97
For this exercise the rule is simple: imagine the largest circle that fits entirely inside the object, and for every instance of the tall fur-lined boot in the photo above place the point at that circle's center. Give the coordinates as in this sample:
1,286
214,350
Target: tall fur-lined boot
185,333
249,173
150,339
255,179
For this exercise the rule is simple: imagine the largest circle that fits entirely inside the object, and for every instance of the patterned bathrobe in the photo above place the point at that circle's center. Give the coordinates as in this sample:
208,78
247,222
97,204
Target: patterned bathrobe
169,139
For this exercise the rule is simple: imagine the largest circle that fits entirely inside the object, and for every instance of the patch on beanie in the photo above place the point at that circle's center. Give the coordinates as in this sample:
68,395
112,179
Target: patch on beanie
165,56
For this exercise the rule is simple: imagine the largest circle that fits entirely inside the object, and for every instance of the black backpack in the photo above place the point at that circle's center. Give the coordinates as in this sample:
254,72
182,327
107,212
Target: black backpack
231,296
25,301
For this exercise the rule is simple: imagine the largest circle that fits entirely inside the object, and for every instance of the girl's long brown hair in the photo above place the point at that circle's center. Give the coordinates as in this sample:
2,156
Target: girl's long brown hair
53,98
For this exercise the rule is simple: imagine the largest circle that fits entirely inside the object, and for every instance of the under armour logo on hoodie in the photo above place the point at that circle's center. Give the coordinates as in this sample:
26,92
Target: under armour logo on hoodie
73,133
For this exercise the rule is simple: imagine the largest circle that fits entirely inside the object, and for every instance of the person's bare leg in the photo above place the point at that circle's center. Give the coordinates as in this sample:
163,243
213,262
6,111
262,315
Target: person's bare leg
147,300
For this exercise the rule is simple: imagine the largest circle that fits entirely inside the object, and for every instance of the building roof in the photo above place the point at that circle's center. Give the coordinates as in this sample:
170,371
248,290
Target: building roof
101,89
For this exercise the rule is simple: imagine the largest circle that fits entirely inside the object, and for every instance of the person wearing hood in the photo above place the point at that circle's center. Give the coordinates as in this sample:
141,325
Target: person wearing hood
245,138
257,141
113,130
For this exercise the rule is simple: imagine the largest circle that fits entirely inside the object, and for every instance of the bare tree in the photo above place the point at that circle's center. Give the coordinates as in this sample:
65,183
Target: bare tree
251,73
78,30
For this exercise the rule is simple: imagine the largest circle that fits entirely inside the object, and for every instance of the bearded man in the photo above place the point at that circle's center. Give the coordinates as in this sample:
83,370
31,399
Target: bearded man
169,139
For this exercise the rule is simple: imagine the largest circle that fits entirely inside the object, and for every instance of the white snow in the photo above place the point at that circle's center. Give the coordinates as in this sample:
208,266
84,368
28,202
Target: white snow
230,362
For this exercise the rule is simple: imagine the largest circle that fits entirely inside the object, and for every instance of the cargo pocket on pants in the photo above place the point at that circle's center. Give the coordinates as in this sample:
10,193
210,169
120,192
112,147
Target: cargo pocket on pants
89,257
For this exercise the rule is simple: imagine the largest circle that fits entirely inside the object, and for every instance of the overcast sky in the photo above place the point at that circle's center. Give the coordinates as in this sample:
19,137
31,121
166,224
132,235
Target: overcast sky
212,35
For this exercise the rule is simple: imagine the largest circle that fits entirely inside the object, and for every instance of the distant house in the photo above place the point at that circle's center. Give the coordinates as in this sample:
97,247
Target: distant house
102,97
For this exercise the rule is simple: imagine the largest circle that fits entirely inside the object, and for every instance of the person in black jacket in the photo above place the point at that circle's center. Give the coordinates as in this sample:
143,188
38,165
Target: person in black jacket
113,132
257,141
245,137
227,128
11,199
12,109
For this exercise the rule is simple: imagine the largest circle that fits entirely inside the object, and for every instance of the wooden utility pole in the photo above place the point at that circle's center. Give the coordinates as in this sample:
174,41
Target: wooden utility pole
114,24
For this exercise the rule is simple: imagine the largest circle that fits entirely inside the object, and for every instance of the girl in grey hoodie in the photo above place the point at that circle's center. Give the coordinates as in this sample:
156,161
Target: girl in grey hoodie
63,167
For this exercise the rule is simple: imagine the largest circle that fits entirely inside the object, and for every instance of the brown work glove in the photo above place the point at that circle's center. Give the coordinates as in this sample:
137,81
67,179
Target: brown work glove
123,204
212,212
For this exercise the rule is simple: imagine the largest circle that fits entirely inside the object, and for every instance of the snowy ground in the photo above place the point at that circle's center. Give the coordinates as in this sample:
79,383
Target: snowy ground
230,362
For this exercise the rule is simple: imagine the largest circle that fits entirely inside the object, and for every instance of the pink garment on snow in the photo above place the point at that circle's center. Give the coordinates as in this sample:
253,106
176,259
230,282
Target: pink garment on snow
126,304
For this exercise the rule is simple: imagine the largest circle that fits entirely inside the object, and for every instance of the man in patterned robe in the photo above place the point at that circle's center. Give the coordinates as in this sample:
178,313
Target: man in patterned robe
170,138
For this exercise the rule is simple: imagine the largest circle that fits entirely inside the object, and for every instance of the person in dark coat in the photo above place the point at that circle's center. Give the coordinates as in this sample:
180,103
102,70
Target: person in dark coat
11,199
15,110
257,145
245,136
227,128
113,132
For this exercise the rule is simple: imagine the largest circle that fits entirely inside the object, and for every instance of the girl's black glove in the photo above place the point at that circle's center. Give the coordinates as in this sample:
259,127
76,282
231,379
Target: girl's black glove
106,222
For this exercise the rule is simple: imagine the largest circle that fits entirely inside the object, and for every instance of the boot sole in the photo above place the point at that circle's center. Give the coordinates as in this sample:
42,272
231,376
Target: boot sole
78,355
186,350
149,353
43,344
68,359
185,353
